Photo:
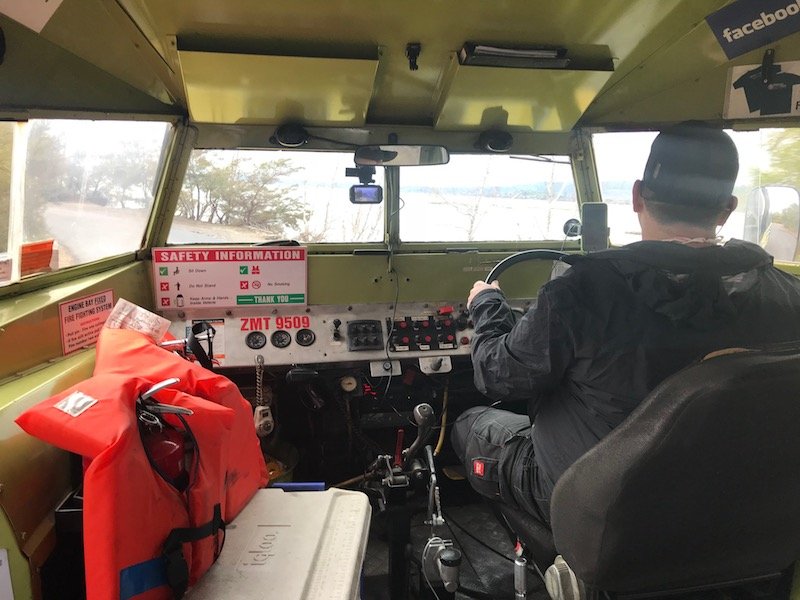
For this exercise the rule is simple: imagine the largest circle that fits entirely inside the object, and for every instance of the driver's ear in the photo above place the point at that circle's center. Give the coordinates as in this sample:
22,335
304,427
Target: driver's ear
636,193
730,206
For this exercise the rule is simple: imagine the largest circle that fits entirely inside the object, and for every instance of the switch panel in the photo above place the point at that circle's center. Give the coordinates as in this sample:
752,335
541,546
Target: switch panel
423,333
364,335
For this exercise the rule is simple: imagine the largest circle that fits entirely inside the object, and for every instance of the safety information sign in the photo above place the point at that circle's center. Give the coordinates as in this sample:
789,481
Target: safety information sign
82,319
229,277
752,92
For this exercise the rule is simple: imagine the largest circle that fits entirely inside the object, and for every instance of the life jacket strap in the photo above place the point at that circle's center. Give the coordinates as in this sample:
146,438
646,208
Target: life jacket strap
203,357
176,565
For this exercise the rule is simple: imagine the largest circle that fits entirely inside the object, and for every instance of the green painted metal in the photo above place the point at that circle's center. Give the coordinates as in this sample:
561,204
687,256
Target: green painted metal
414,278
173,168
34,477
29,323
72,83
226,87
667,64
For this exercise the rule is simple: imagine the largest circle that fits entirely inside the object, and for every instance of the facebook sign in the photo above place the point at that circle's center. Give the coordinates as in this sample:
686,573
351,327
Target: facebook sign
745,25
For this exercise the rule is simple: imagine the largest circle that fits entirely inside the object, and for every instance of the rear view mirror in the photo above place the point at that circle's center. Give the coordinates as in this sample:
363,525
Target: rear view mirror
366,194
772,220
397,155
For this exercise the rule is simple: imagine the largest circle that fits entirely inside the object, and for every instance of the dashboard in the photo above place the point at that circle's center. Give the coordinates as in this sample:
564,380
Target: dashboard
382,334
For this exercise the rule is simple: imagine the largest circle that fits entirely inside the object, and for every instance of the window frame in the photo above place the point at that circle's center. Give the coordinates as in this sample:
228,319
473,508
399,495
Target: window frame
165,167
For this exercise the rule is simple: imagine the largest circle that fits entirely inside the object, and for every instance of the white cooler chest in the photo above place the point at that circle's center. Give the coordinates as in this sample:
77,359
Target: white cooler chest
292,545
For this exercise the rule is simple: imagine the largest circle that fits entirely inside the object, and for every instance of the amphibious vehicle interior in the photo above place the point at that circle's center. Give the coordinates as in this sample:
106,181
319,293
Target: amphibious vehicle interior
288,204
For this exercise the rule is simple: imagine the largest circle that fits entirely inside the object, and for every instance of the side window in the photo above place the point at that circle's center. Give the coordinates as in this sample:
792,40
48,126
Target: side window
73,192
767,187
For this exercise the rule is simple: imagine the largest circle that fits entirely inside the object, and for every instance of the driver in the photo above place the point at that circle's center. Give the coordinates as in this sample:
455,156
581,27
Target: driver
619,322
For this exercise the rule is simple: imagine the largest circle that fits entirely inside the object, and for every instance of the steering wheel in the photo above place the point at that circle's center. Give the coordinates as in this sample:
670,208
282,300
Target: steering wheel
535,254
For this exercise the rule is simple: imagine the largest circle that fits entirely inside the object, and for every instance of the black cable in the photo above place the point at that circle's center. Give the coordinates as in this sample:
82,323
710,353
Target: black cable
449,520
332,141
544,159
530,564
467,591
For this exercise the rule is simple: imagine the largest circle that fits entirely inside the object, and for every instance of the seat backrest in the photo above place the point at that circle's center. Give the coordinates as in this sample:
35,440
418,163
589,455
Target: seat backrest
700,485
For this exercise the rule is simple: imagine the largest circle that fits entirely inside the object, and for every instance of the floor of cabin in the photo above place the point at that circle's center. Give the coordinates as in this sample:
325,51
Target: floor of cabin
487,567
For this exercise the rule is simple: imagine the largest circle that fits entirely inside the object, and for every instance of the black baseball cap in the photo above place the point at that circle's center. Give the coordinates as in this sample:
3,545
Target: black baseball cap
691,164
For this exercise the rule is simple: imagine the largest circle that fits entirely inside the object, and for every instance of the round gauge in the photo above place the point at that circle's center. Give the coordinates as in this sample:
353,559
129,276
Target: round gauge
281,338
255,340
305,337
348,383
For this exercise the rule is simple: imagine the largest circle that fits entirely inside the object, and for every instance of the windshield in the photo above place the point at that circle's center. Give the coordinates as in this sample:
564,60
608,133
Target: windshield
481,198
240,196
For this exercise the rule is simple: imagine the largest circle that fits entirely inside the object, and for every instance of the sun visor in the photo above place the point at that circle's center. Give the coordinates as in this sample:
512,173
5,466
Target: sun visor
264,89
531,99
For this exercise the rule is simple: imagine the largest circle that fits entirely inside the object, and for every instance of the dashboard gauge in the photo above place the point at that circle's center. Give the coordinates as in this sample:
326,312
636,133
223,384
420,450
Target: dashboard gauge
255,340
348,383
305,337
281,338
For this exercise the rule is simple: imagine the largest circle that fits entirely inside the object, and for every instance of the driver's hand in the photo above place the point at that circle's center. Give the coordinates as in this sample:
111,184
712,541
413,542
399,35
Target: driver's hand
478,287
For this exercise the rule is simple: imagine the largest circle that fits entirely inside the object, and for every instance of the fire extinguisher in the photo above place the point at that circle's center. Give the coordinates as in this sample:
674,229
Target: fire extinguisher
168,448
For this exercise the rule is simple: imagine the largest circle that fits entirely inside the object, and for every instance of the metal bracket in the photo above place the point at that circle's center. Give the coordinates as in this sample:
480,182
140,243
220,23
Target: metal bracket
766,66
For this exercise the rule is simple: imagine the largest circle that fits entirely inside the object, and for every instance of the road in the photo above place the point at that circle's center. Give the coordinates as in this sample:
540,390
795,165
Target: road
89,232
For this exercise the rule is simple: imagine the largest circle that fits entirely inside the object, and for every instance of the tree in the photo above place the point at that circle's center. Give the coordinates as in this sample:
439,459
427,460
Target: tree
783,149
123,178
46,177
243,192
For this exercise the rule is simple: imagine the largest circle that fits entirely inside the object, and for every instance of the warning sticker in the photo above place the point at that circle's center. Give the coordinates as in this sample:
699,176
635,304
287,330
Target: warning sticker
754,92
82,319
227,277
75,404
5,576
32,13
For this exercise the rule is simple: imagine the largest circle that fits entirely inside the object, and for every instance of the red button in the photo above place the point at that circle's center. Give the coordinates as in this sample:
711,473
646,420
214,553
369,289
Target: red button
405,341
446,310
426,323
403,325
447,322
464,341
478,467
451,337
427,339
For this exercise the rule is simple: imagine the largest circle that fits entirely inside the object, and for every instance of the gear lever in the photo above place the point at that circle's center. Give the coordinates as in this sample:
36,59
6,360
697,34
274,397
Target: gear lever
425,419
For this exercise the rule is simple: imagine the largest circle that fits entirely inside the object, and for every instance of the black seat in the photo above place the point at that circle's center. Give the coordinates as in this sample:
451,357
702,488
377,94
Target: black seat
699,487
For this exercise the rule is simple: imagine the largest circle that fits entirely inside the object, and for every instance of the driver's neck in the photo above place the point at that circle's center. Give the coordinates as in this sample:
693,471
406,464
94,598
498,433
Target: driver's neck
679,232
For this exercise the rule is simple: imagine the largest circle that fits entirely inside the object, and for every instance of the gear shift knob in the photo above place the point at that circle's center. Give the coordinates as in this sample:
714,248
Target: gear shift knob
423,415
425,419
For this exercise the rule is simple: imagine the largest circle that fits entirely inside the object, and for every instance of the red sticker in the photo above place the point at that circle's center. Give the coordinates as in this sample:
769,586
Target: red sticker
478,467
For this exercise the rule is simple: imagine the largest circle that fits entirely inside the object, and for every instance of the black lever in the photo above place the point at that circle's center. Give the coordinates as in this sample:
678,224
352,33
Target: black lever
425,419
301,374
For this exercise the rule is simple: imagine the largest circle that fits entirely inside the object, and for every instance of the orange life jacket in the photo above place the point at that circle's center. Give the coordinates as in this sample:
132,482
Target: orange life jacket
130,352
143,538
